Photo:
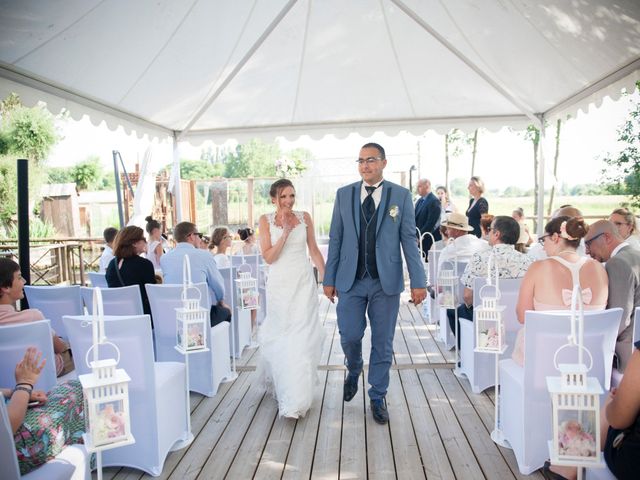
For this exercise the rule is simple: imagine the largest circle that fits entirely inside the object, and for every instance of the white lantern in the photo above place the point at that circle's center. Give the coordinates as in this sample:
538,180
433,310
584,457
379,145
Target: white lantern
447,284
247,288
576,417
192,321
490,330
105,391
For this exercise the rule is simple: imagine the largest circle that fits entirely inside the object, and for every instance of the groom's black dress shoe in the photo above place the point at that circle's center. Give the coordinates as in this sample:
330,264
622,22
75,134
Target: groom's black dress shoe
379,411
350,388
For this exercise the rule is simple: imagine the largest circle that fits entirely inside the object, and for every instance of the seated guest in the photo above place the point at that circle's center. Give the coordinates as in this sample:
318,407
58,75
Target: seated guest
619,429
463,244
518,216
548,284
485,223
440,244
109,235
128,267
55,420
625,221
203,268
11,290
503,233
536,250
154,245
221,240
249,245
605,244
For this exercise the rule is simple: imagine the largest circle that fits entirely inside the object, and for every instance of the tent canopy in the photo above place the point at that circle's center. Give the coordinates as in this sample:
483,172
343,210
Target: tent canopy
200,69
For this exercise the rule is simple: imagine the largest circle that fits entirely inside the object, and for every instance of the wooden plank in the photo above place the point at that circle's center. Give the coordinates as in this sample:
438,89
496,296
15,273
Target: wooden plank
226,448
353,452
274,455
426,335
303,445
434,456
326,461
380,462
406,453
249,454
200,449
485,450
460,454
408,330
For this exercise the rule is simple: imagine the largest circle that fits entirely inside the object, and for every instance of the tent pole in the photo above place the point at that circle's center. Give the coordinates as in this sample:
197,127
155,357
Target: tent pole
23,225
118,191
540,198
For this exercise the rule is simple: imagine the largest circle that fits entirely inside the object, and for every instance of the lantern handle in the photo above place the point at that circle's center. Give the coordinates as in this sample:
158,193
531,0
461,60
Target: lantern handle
86,357
422,235
495,287
97,322
491,263
186,272
580,348
185,296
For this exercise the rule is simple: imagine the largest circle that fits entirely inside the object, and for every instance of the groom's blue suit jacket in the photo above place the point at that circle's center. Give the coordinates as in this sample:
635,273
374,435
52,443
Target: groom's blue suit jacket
342,260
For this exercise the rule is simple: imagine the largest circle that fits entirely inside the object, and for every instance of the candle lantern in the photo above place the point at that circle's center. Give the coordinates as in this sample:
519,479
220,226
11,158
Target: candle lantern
105,391
192,321
247,289
448,284
489,322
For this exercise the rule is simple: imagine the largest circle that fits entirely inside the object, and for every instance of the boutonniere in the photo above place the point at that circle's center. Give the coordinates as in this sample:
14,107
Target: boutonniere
393,212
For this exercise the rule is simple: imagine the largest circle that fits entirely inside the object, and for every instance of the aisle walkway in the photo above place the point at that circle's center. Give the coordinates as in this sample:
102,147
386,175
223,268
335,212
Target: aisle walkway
439,429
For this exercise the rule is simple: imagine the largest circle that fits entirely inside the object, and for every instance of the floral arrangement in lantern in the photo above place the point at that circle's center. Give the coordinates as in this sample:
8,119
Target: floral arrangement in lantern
247,288
489,322
575,402
105,391
447,284
192,321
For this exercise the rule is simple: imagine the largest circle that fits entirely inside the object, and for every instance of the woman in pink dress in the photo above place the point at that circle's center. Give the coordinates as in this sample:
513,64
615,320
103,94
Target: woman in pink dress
548,283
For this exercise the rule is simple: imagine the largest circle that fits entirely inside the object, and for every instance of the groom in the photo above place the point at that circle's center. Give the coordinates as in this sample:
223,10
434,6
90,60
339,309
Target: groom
371,220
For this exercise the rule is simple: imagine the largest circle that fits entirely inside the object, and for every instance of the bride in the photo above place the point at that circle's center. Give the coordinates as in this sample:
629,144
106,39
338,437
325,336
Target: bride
291,335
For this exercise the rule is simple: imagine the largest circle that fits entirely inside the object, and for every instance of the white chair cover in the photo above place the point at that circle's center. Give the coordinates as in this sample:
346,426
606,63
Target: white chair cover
157,398
14,340
70,464
636,326
206,369
240,319
116,301
525,403
98,279
446,335
479,368
599,474
55,302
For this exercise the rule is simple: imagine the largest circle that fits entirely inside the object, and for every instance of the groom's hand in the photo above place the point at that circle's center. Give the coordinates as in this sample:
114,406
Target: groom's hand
329,292
418,295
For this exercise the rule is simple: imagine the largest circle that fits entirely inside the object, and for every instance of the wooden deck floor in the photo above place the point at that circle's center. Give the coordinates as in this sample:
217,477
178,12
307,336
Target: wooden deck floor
439,429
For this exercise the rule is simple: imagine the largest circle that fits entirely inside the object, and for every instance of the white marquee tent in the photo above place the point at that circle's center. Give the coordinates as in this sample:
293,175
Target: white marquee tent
219,69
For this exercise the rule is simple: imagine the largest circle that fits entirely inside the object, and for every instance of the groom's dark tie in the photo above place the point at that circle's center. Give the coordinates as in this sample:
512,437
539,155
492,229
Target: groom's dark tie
369,206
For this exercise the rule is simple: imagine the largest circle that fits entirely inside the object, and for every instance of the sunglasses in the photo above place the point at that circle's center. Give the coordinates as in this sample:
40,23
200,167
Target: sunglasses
200,235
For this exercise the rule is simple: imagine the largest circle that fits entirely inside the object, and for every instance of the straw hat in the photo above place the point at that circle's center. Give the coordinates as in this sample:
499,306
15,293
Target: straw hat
457,221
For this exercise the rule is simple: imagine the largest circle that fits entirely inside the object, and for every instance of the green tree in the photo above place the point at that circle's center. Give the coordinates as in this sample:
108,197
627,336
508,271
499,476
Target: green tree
454,144
199,170
623,173
458,187
59,175
255,158
87,174
532,134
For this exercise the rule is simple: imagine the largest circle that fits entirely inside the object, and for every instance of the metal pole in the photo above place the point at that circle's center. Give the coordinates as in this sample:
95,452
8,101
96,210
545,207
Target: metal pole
23,224
118,191
540,199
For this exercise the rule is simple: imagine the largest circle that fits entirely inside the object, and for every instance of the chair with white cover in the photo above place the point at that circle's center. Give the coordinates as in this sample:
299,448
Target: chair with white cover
206,369
256,263
525,403
98,279
157,397
72,463
479,368
240,319
446,335
116,301
14,340
54,302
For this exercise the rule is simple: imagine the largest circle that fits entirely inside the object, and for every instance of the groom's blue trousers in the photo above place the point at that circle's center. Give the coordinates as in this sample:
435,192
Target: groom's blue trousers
366,296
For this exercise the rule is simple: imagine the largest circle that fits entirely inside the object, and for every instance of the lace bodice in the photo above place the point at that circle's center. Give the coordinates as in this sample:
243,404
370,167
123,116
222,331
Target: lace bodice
295,247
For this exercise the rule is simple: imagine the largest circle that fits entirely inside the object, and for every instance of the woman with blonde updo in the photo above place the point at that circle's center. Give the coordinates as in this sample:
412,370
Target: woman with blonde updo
548,283
625,222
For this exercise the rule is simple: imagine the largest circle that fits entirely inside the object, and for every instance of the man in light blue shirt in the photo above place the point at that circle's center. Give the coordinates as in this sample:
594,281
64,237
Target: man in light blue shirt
203,268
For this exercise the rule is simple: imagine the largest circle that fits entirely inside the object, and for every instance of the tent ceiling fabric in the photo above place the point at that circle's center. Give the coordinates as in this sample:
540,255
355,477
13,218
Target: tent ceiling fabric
239,69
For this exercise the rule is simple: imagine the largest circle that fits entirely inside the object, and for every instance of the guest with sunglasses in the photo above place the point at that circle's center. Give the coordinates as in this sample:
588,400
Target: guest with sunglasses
548,284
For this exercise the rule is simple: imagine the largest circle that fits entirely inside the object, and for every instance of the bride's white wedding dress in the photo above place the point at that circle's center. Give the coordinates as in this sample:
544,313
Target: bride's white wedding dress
291,335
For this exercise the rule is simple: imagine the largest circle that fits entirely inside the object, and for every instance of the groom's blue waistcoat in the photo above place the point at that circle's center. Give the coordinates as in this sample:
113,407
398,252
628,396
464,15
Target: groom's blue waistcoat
367,247
390,234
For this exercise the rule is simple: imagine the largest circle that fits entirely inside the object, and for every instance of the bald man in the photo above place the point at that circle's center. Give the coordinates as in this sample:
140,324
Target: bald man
604,244
428,211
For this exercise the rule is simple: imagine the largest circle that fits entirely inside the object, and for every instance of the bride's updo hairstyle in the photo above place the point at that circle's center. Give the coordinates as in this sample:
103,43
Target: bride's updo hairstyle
278,186
570,229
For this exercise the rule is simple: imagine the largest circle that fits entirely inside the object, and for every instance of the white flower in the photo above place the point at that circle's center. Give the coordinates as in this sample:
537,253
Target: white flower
394,211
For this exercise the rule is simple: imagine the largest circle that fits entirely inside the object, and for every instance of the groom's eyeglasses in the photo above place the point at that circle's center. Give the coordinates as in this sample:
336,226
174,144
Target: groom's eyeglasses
368,160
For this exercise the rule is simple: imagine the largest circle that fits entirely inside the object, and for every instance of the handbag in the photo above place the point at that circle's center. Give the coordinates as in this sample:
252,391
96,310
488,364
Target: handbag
118,271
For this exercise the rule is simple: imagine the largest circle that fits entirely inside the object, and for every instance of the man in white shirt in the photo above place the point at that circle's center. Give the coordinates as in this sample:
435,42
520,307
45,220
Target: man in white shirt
463,245
109,235
605,244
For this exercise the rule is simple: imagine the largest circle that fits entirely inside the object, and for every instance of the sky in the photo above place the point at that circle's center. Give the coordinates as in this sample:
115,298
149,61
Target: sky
503,159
